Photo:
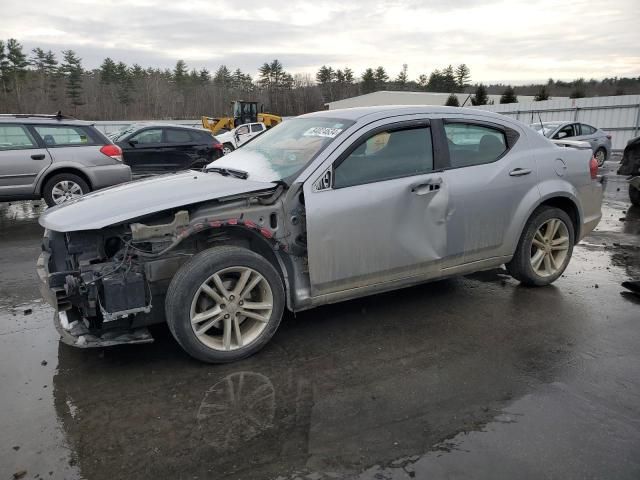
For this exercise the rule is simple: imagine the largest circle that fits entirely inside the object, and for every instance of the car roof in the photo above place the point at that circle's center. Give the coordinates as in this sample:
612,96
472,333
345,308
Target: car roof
359,113
35,119
160,124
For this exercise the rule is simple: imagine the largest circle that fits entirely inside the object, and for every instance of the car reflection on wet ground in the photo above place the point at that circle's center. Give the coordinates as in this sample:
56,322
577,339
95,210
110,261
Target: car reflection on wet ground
474,377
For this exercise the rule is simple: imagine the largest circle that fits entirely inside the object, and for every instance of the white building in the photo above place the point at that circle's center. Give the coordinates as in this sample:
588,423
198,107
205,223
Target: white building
385,97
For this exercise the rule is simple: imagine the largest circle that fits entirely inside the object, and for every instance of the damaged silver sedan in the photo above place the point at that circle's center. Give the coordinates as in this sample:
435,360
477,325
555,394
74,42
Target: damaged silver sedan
326,207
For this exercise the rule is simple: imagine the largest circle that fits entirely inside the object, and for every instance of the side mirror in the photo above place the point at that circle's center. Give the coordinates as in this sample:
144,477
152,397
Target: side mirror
133,143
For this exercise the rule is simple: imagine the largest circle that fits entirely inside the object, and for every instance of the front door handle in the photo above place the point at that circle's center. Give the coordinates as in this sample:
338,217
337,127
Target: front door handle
37,156
429,186
519,172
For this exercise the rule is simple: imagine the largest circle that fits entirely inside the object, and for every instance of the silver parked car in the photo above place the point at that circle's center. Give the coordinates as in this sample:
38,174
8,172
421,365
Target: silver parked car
325,207
599,140
56,158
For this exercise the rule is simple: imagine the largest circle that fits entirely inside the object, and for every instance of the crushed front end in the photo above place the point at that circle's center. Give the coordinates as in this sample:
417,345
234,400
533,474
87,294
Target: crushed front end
106,287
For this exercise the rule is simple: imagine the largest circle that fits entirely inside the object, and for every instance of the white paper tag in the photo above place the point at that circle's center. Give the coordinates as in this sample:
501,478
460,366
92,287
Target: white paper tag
322,132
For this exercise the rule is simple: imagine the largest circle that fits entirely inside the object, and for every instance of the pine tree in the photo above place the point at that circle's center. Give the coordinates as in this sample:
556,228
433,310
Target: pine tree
223,78
509,95
349,77
381,78
125,84
403,78
368,84
325,75
180,73
107,71
541,95
51,74
205,76
449,79
17,69
463,76
452,100
71,68
480,97
4,69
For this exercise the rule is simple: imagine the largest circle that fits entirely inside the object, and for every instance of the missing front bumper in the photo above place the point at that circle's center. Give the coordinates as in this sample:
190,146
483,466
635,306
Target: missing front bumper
75,333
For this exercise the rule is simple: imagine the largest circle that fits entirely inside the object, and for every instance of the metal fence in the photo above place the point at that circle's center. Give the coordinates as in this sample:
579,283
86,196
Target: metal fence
619,115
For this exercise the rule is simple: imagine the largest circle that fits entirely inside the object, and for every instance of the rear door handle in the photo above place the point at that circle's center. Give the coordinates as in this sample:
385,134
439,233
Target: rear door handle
37,156
430,186
519,172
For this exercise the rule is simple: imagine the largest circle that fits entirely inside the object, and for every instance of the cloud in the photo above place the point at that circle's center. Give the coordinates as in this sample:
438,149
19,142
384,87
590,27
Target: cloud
520,40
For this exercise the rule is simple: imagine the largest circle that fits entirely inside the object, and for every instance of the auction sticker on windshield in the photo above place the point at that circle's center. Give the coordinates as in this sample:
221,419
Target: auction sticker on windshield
322,132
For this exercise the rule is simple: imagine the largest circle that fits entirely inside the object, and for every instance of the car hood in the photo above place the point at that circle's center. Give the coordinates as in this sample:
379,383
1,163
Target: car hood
142,197
225,137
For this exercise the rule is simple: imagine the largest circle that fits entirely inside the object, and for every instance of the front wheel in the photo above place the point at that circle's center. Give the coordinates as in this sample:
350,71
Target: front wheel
634,195
224,304
544,249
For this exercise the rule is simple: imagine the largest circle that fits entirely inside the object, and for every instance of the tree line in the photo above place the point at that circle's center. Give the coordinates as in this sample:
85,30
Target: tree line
43,81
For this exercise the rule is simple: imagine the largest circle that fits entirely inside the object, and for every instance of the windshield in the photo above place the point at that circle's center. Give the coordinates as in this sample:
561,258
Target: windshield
115,136
545,128
285,149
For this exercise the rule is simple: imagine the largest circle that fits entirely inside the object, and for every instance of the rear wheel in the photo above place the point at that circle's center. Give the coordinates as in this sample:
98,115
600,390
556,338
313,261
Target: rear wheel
227,148
224,304
64,187
634,195
600,156
544,249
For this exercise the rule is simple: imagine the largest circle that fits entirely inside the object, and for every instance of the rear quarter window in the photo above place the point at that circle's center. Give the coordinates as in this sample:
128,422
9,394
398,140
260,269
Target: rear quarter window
67,135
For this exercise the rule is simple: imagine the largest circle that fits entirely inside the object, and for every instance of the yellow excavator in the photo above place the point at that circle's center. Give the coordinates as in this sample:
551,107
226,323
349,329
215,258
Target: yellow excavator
243,112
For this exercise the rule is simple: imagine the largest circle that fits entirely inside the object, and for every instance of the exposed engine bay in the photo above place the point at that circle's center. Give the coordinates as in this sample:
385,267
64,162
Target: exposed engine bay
109,284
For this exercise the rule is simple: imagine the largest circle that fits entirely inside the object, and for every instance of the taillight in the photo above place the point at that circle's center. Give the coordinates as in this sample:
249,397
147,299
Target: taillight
217,146
112,151
593,168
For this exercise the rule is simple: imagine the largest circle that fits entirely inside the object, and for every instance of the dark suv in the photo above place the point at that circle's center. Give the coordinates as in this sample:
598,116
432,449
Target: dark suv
56,158
159,148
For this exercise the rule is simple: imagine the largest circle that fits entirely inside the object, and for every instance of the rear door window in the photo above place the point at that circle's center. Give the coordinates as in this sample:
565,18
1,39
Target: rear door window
175,135
66,135
471,144
15,137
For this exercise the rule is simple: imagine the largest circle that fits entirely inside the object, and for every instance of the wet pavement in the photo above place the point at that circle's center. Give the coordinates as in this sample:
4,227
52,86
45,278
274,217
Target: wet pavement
473,377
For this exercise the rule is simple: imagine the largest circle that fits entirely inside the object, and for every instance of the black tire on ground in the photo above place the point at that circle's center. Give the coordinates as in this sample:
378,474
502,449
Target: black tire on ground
227,148
604,156
188,280
634,195
47,190
520,266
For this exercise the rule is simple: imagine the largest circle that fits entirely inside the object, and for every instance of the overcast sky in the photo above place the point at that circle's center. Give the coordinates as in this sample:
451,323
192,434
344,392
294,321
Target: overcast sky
510,41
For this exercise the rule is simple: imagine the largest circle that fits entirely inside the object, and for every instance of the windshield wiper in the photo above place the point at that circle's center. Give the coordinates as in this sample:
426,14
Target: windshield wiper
229,171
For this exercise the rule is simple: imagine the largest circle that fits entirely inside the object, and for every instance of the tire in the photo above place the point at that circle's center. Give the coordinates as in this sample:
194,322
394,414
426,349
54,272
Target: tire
600,156
227,148
634,195
186,299
521,266
77,187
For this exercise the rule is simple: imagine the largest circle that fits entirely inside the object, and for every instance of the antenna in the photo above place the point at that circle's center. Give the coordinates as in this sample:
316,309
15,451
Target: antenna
541,127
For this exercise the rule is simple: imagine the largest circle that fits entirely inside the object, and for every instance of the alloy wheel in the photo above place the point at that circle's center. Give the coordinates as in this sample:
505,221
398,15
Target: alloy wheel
549,247
231,308
65,190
